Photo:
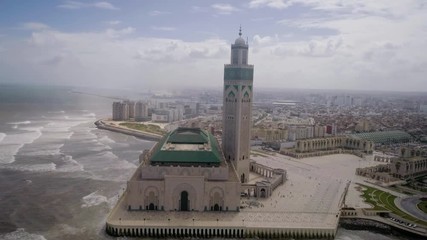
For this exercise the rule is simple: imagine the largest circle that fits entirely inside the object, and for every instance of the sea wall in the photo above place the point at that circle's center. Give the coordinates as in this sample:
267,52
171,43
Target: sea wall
144,135
223,232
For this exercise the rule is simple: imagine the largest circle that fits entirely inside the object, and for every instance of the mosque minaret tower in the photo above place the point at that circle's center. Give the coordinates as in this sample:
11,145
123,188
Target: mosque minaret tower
237,102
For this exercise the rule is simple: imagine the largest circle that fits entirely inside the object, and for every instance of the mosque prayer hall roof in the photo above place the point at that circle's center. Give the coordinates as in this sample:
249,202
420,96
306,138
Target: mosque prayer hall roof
187,146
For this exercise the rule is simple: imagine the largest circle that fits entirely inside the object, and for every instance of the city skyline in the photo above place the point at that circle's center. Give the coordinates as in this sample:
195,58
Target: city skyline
308,44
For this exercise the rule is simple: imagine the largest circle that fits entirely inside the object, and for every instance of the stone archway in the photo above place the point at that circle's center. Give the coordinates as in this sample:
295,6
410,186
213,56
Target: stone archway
184,202
216,207
191,195
151,206
263,194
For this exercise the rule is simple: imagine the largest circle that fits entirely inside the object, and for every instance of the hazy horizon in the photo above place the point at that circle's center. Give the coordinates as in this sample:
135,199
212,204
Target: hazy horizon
296,44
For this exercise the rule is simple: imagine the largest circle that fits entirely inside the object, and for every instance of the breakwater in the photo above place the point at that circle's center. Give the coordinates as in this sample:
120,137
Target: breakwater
378,227
139,134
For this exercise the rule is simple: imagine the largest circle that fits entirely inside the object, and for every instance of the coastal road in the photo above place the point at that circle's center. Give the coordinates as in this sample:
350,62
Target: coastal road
410,205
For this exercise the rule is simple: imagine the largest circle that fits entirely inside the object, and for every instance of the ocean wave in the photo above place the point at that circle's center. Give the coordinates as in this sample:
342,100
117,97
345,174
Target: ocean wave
11,144
93,199
69,165
42,167
21,234
69,230
2,136
91,115
106,139
44,150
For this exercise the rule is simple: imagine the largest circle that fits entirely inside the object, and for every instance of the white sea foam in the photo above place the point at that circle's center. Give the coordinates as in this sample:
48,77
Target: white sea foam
70,165
11,144
93,199
91,115
106,139
43,150
69,230
21,234
2,136
43,167
19,123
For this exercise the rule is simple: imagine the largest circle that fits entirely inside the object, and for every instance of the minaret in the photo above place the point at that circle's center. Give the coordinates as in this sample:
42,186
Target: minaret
237,108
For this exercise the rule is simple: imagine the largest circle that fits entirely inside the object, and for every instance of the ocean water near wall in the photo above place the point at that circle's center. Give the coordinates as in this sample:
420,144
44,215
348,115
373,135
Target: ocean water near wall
59,175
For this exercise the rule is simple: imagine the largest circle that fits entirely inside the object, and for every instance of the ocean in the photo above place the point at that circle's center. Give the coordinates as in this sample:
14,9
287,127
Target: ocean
59,175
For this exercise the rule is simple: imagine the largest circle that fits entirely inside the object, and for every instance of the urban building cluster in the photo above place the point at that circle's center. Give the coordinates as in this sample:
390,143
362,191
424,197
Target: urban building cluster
411,163
158,109
129,110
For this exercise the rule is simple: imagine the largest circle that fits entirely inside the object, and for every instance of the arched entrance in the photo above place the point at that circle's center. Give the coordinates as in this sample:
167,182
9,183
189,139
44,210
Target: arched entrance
151,206
263,193
216,207
184,201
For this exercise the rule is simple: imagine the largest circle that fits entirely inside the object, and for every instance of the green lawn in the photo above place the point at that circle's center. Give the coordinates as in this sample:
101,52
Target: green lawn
150,128
381,200
423,206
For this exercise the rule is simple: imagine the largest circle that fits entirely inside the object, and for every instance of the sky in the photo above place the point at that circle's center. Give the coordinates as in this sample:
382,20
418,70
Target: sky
154,44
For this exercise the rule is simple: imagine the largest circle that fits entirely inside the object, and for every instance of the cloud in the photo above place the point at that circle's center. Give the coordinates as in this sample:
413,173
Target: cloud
105,5
79,5
262,40
113,58
278,4
375,45
224,8
158,13
167,29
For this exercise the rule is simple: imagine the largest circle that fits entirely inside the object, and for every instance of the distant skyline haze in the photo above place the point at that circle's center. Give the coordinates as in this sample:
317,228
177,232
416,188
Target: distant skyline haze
309,44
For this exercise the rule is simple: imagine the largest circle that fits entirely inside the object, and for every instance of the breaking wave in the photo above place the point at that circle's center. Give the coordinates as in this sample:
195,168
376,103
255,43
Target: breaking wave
21,234
93,199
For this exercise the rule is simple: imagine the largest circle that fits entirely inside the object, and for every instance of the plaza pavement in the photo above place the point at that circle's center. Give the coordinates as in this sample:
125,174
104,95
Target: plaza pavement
310,198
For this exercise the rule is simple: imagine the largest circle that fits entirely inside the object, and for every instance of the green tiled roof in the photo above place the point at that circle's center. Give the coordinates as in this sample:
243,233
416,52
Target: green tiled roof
384,137
187,136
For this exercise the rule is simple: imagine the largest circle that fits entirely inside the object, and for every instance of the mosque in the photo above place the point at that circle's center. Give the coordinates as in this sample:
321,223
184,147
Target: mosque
188,170
191,175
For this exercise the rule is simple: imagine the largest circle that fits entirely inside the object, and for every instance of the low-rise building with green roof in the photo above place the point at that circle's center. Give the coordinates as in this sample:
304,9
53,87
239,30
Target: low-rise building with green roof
385,137
187,146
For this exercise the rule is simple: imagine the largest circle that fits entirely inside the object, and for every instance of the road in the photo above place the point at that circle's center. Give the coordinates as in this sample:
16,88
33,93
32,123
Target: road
410,205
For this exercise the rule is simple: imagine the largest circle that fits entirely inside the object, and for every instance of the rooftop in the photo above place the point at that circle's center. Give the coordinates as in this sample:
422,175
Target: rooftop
187,146
384,137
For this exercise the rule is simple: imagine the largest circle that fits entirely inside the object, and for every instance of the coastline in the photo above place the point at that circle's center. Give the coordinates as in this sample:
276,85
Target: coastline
358,223
136,133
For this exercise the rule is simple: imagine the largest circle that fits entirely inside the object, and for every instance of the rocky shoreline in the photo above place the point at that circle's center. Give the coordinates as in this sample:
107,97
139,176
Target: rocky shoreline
374,226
